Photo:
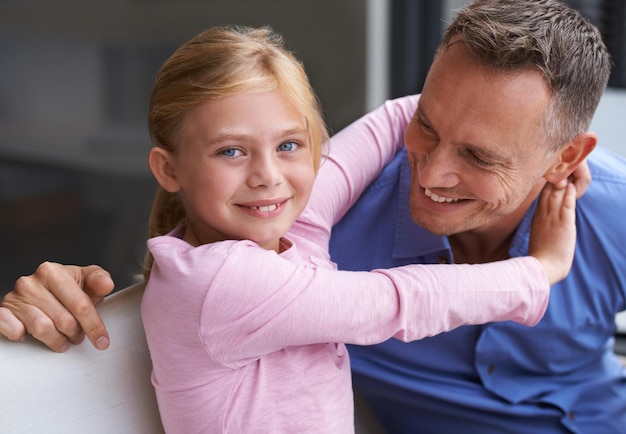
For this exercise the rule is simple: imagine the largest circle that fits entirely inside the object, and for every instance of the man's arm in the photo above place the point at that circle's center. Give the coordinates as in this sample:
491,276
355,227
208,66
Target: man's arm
57,305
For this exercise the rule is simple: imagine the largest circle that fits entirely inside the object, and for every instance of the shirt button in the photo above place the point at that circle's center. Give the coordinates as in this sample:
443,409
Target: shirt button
490,369
443,260
571,415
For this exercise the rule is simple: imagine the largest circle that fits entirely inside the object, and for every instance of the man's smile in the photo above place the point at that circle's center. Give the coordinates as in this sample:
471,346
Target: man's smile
436,198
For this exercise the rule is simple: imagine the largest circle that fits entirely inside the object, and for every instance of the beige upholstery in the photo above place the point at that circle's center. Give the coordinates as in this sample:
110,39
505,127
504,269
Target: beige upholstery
90,391
82,390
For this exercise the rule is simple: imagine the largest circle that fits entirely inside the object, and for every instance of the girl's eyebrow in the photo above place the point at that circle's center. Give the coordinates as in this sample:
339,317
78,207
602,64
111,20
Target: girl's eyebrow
227,137
297,130
235,137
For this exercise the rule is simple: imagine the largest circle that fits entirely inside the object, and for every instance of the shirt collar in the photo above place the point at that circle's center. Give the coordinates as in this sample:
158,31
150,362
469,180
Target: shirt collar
521,238
412,240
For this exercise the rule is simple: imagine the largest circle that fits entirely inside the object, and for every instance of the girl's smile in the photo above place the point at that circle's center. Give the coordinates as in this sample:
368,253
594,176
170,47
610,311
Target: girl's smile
266,209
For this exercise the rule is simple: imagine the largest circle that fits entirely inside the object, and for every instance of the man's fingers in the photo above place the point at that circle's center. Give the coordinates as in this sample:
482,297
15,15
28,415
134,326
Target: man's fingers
83,309
41,327
97,283
79,306
57,304
38,308
10,326
36,323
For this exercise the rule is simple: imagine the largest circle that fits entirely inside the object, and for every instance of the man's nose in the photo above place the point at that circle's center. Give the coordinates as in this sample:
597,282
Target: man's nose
439,168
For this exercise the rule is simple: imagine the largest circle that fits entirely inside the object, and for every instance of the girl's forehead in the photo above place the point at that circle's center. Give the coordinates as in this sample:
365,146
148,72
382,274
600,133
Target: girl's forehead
259,114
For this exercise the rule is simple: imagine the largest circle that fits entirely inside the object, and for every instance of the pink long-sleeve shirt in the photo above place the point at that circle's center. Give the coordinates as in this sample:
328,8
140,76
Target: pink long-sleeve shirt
246,340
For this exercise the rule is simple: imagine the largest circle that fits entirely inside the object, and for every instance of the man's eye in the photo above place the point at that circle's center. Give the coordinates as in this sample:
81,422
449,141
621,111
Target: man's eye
425,127
287,146
230,152
479,161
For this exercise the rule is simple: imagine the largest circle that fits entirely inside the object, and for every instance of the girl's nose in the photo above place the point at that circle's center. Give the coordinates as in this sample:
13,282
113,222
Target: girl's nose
265,172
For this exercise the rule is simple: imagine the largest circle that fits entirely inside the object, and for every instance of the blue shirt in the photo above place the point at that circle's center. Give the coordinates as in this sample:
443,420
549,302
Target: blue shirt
559,376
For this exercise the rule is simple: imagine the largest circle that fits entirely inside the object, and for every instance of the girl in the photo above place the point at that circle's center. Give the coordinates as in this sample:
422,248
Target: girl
244,313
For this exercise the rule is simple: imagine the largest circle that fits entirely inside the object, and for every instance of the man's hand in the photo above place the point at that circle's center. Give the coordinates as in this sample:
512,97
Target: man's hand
57,305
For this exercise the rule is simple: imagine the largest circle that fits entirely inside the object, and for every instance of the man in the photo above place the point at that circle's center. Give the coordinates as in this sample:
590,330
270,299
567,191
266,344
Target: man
505,109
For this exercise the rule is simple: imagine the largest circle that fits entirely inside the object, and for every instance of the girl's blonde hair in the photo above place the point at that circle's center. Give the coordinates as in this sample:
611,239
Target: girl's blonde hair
218,63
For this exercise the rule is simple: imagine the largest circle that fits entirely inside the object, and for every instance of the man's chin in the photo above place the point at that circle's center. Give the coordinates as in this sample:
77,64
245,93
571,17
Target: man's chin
438,227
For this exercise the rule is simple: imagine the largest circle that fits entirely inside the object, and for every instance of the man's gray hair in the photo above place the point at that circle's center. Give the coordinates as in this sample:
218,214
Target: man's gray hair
549,36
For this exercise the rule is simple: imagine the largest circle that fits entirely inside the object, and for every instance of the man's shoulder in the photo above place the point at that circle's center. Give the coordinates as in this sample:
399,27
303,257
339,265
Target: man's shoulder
607,166
391,174
604,199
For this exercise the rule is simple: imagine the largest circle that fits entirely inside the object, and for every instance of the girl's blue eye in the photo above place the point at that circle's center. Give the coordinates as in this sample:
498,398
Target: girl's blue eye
287,146
230,152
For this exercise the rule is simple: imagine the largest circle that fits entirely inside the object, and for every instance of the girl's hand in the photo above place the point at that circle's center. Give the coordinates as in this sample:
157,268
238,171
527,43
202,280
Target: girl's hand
580,177
553,232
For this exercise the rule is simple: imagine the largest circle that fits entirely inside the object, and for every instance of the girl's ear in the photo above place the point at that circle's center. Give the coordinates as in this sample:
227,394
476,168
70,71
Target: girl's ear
570,156
163,169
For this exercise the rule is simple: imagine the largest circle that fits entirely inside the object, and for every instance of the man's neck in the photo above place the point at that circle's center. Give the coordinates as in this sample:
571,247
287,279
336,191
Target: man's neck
487,244
492,242
477,247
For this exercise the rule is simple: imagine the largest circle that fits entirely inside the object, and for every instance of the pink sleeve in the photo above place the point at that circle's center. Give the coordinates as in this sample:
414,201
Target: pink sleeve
357,154
281,304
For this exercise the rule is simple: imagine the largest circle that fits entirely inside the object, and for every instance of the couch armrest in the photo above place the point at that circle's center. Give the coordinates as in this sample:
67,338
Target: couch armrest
83,390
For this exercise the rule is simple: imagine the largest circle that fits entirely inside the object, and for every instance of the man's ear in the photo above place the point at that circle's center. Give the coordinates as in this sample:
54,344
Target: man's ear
570,156
162,167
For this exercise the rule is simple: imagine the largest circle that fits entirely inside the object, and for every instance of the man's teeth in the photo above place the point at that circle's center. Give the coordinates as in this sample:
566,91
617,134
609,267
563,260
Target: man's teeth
265,208
439,199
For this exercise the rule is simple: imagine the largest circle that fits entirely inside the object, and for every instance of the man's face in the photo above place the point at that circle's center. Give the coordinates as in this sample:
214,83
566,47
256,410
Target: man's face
476,147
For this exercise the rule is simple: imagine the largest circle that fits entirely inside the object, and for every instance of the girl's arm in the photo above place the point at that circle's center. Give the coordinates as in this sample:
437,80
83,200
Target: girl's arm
279,304
356,156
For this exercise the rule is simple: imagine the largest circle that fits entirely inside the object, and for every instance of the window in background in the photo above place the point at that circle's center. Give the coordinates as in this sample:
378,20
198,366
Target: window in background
610,17
416,32
417,28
